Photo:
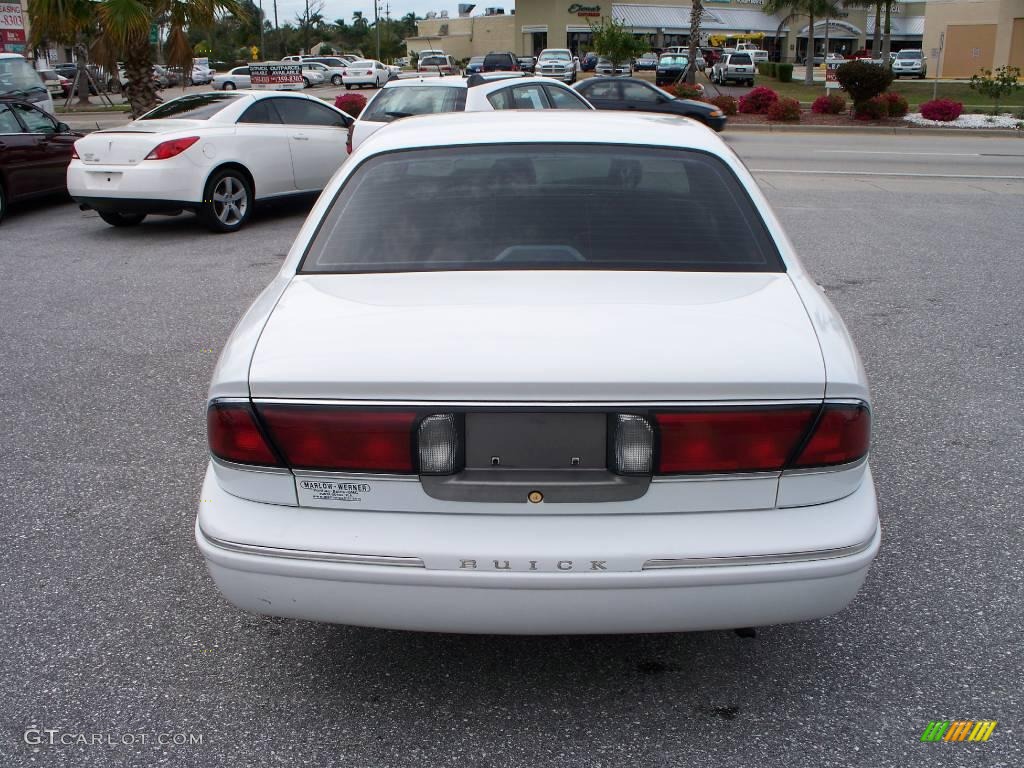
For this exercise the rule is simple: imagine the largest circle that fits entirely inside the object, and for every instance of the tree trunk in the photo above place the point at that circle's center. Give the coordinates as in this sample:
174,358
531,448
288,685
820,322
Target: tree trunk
887,39
138,67
696,12
809,58
81,78
876,44
826,41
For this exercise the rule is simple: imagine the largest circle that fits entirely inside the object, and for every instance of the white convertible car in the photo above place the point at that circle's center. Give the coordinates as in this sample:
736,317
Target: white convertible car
492,417
212,153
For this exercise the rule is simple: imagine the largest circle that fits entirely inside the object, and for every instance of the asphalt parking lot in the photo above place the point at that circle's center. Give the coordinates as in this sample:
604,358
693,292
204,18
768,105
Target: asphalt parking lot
111,625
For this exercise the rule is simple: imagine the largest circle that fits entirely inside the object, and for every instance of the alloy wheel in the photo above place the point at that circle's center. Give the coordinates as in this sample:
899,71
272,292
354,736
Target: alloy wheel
230,201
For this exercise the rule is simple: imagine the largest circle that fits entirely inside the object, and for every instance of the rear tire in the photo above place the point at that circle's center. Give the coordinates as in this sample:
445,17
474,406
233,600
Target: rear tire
348,87
115,219
336,80
229,86
305,83
227,201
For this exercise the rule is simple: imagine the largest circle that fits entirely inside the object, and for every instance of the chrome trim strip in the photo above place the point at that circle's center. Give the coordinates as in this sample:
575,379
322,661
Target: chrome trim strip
546,403
788,557
249,467
800,471
325,557
772,475
342,474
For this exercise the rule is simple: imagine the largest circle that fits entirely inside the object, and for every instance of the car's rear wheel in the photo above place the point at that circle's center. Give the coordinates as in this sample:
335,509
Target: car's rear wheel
229,86
227,201
115,219
348,87
336,80
305,82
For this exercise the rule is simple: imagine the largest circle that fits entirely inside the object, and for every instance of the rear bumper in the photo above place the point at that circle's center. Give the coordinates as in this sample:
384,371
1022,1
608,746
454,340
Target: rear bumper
147,187
121,205
412,588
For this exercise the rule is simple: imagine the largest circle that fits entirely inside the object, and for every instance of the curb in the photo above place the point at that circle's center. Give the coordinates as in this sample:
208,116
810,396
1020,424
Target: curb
879,130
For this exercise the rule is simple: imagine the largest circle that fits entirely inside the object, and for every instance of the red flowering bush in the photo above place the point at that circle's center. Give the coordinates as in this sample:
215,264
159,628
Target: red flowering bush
686,91
784,109
352,103
833,104
896,104
945,110
727,104
758,101
874,108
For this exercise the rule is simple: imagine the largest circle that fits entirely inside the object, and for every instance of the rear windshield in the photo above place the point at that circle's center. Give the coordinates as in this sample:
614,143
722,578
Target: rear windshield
200,106
393,103
542,206
740,58
673,61
908,55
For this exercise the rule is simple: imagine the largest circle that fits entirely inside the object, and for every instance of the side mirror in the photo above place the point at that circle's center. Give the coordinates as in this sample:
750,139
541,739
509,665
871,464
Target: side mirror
63,128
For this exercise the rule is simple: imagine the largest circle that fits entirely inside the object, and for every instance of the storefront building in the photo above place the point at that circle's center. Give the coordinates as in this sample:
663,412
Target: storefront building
538,24
963,36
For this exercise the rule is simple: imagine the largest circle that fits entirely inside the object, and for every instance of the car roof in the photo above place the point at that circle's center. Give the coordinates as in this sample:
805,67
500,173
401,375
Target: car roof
448,82
556,126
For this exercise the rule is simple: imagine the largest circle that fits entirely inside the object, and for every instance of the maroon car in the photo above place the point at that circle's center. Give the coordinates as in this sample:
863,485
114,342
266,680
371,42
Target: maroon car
35,151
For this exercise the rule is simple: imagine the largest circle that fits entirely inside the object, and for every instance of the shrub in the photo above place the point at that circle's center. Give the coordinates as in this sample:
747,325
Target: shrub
685,90
945,110
773,69
784,109
785,73
832,104
1005,81
874,108
863,80
727,104
762,68
896,104
352,103
758,101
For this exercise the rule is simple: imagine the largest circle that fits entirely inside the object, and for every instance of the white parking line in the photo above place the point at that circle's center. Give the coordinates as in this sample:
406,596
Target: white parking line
880,152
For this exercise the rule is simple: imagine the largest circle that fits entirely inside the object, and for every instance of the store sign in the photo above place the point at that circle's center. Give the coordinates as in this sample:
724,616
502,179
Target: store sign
12,28
585,10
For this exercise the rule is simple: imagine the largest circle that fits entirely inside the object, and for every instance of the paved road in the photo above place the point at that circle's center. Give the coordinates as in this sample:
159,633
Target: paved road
111,625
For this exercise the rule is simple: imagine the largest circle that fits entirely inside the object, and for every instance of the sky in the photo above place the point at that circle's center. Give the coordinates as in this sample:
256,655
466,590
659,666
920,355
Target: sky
334,9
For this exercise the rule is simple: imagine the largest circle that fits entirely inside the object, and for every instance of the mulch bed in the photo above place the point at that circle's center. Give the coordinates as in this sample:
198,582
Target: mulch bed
810,118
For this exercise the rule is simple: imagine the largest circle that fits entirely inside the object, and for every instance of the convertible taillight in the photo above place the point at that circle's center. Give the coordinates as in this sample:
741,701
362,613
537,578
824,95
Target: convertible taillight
172,148
341,439
74,153
761,439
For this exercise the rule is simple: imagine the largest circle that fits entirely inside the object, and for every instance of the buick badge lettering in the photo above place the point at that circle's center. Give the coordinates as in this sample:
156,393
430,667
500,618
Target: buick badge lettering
531,565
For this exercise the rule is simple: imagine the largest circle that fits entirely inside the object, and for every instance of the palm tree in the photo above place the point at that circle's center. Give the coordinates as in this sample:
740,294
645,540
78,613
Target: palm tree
887,39
358,22
829,9
794,9
122,33
696,14
877,6
68,22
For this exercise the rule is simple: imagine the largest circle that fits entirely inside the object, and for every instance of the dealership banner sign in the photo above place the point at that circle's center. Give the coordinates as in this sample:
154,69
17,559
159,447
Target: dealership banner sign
276,76
12,28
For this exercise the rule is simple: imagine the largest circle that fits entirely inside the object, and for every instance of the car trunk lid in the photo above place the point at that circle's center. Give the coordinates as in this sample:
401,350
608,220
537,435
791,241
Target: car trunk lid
130,145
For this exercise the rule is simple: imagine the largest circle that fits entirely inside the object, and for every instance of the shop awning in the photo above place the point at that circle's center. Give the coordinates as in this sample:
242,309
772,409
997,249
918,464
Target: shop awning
901,27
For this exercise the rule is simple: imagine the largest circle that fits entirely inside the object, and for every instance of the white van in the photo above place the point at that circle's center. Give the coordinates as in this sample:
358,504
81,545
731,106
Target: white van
18,79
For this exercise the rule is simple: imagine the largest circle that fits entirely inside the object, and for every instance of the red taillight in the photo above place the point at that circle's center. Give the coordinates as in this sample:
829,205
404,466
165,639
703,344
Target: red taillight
74,153
234,435
172,148
311,437
842,435
733,440
761,439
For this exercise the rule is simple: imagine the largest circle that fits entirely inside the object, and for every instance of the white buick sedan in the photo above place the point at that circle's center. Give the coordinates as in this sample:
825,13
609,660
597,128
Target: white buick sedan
213,153
496,418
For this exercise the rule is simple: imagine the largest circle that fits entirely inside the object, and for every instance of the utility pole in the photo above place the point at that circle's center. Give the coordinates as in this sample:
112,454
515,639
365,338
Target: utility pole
263,51
277,33
376,24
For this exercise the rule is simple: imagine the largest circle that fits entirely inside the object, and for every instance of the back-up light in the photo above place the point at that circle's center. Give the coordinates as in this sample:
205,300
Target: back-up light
168,149
340,439
761,439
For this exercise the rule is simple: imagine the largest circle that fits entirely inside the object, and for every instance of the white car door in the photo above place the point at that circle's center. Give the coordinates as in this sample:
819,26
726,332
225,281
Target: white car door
317,136
263,145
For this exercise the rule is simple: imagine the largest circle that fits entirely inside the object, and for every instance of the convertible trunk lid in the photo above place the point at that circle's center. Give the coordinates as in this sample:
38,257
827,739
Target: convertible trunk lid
539,336
130,145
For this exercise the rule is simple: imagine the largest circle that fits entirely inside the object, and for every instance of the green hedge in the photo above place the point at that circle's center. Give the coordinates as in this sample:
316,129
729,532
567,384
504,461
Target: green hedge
785,72
773,69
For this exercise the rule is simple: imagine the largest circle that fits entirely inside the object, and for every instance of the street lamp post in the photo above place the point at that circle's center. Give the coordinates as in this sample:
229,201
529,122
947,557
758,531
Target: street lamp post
376,24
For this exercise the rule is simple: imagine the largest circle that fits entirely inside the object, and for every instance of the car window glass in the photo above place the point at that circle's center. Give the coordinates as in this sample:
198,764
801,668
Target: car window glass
198,106
240,71
564,98
624,198
603,89
393,103
305,112
739,58
34,120
519,97
640,92
261,112
8,122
